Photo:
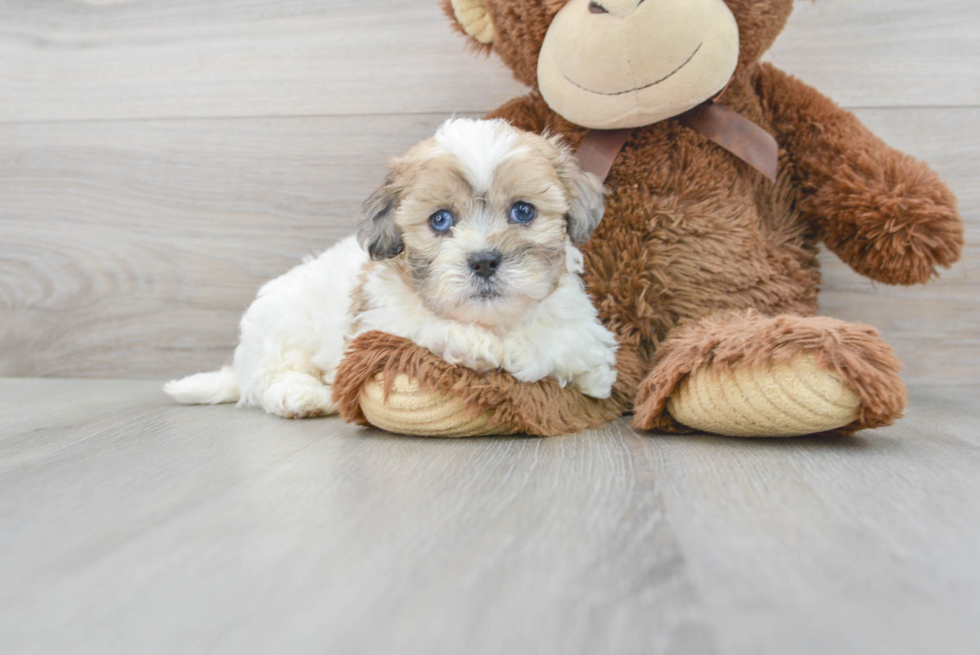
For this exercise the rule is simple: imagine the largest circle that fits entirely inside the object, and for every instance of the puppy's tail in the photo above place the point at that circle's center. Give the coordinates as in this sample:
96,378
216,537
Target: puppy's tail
209,388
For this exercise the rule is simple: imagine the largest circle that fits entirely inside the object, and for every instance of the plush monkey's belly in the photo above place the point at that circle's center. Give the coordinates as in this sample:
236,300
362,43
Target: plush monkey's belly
690,231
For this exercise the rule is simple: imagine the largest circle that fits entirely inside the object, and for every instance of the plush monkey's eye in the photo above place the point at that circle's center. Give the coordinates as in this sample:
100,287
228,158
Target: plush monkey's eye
596,8
441,221
522,212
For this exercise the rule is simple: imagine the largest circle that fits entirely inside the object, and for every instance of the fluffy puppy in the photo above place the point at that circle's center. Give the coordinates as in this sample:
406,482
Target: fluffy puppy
467,249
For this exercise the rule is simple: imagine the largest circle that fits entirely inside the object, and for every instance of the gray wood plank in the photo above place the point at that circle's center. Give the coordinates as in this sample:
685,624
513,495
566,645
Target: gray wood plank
154,528
885,53
131,248
136,246
133,525
181,58
860,545
151,59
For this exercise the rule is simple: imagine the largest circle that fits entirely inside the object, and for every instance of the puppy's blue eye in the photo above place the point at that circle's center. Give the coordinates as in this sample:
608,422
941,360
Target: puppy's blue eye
441,221
523,212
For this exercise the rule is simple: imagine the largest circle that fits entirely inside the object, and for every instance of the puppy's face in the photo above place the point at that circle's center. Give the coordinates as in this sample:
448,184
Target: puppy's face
478,217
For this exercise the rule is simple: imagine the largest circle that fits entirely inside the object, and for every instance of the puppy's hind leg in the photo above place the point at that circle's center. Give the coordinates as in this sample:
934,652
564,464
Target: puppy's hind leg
294,394
293,335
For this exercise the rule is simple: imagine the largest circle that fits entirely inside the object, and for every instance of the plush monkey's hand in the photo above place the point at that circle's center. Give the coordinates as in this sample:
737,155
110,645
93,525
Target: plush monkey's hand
393,384
887,215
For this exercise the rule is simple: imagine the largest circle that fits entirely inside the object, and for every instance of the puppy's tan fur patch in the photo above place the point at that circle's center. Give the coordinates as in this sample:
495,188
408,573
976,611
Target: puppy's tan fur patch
430,178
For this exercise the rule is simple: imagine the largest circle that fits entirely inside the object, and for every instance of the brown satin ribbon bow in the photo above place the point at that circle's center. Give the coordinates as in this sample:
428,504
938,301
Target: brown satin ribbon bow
717,123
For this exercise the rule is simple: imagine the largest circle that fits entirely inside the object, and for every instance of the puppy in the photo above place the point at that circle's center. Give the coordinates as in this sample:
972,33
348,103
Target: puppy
467,249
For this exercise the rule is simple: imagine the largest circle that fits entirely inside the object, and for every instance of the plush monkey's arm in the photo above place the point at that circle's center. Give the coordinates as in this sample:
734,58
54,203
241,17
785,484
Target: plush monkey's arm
885,214
426,396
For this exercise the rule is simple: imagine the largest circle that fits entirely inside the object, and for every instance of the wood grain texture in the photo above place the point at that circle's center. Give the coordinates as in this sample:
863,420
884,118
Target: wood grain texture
132,248
152,59
885,53
859,545
222,58
138,526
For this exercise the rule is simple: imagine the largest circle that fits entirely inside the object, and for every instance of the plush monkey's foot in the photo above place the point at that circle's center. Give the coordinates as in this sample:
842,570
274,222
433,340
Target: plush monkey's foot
393,384
785,399
752,376
428,413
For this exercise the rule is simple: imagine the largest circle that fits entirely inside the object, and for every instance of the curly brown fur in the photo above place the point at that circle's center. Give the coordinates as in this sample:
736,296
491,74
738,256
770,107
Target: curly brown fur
689,229
759,23
885,214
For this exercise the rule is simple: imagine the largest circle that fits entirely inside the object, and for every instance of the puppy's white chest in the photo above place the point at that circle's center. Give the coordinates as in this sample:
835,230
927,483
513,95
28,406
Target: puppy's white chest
391,306
560,337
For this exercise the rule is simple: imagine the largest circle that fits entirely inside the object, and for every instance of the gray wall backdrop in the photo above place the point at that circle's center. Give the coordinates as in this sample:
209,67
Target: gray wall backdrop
159,159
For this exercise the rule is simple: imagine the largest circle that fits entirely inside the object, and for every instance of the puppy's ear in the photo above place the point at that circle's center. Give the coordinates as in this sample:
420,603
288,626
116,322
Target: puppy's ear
377,232
585,194
588,205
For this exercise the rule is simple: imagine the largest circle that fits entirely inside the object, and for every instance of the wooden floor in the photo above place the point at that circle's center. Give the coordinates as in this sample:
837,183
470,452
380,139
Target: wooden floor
130,525
161,160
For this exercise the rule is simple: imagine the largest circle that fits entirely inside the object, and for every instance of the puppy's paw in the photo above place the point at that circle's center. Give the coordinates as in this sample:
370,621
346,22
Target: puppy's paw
527,370
524,363
597,383
298,395
479,354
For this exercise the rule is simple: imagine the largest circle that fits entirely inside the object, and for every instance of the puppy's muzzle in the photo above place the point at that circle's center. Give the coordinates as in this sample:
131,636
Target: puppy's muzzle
485,263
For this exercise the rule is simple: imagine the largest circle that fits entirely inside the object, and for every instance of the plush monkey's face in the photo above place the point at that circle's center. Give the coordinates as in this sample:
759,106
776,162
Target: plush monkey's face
609,64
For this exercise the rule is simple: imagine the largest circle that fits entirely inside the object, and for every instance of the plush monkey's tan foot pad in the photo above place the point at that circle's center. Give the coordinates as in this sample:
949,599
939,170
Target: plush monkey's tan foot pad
412,411
789,399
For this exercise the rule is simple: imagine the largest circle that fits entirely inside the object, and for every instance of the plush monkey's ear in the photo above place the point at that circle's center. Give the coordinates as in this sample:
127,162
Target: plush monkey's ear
473,18
377,232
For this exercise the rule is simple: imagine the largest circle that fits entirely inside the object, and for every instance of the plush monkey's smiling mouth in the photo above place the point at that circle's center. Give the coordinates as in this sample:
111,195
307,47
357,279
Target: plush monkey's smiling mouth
639,88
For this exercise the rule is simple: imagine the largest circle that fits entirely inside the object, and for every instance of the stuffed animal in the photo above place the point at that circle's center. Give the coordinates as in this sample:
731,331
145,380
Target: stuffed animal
703,267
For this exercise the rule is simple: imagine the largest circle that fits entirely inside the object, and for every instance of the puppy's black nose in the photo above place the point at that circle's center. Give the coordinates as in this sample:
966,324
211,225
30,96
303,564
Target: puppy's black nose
485,263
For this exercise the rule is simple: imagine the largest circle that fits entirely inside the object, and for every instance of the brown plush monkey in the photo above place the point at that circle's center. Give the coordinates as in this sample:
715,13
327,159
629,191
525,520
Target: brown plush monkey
704,269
